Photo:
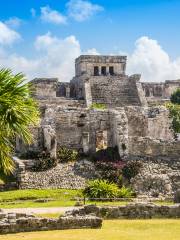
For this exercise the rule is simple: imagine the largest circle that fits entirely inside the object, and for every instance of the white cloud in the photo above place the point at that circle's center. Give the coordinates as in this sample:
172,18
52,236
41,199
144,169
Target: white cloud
7,35
91,51
81,10
52,16
56,56
152,62
14,22
33,12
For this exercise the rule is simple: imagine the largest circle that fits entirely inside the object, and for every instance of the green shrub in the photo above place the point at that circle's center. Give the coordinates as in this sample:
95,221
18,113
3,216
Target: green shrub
66,155
98,106
131,169
125,192
174,111
30,154
175,97
101,189
44,162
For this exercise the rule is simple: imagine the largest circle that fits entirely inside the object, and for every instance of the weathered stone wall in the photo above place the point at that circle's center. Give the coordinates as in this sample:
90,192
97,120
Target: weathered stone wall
114,91
131,211
44,87
145,146
153,122
157,91
14,223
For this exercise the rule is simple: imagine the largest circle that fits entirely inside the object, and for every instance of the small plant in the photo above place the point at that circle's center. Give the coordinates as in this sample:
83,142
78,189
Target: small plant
174,111
44,162
101,189
175,97
98,106
125,192
67,155
131,169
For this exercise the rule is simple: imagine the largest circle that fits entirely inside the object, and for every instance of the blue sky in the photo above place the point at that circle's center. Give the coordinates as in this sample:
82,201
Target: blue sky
35,30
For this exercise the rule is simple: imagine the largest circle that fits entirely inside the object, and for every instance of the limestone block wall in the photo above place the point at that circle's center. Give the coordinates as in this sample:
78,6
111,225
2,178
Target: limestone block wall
19,222
144,146
114,91
160,90
153,122
131,211
44,87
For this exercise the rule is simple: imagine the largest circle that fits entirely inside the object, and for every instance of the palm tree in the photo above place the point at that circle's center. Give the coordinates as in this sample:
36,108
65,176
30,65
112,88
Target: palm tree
18,111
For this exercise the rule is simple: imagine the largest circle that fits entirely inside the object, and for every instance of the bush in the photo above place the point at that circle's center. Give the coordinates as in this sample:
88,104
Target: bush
101,189
131,169
30,154
98,106
44,162
174,110
125,192
111,171
175,97
66,155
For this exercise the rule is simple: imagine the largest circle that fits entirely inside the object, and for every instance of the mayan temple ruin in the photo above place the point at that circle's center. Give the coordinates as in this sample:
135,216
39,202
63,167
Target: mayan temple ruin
133,118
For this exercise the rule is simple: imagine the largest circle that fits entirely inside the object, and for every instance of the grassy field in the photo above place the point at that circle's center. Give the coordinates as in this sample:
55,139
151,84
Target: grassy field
59,198
111,230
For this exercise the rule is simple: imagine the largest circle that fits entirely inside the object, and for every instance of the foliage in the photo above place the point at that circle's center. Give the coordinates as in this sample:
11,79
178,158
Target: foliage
106,155
175,97
111,171
66,155
100,106
174,110
125,192
18,111
44,162
131,169
101,189
30,154
6,178
104,189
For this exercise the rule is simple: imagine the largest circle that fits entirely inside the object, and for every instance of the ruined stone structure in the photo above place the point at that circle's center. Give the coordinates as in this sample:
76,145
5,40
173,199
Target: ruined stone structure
21,222
131,211
129,121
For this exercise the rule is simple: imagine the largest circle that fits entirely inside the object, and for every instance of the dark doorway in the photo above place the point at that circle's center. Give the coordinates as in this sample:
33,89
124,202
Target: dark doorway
96,71
103,70
111,70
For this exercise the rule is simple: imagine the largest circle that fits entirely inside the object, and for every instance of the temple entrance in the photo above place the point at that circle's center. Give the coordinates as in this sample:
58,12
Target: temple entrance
101,140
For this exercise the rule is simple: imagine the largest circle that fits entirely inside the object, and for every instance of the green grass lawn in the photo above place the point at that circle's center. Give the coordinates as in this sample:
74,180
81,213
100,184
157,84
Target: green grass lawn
60,198
111,230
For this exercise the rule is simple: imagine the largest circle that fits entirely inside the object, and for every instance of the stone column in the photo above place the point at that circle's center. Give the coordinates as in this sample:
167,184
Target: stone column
68,92
85,142
50,142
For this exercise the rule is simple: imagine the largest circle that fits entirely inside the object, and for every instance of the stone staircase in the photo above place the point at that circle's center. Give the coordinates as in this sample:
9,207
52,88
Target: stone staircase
115,91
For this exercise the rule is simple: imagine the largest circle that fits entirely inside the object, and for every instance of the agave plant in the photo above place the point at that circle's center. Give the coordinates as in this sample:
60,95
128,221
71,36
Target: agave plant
18,111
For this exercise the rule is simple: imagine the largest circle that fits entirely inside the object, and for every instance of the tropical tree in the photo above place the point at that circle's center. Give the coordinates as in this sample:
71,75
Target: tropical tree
18,112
